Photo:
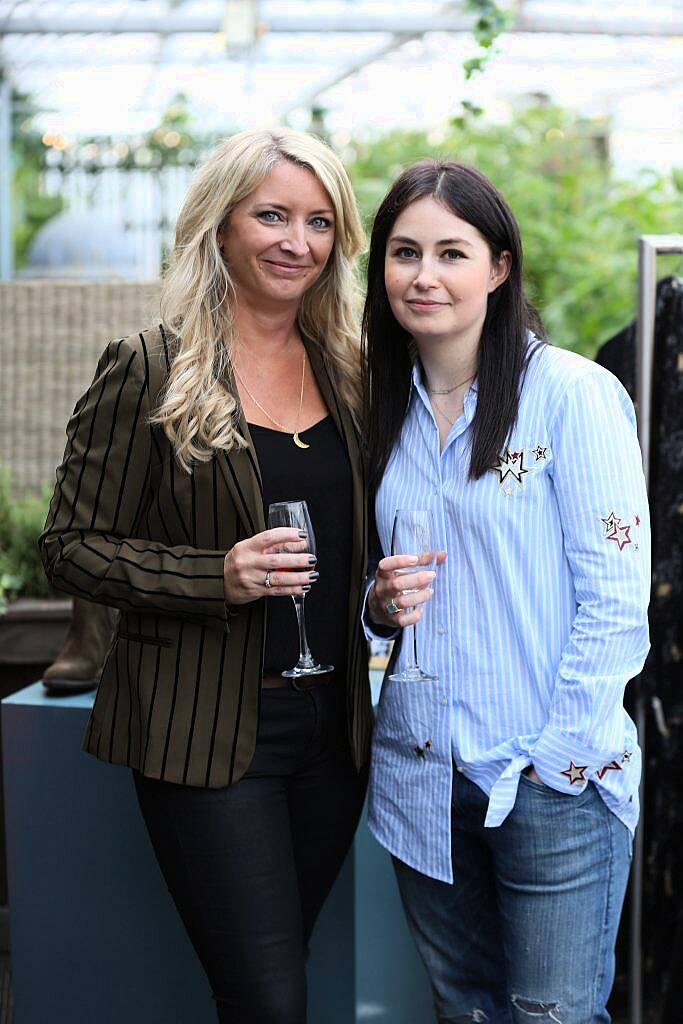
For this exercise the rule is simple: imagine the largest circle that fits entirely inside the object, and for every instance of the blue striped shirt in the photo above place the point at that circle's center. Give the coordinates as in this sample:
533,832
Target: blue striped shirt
539,616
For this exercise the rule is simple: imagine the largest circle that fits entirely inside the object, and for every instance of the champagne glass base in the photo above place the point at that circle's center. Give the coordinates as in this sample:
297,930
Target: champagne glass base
412,675
312,670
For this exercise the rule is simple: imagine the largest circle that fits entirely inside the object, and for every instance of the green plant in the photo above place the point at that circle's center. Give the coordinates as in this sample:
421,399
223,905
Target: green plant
31,208
21,522
492,21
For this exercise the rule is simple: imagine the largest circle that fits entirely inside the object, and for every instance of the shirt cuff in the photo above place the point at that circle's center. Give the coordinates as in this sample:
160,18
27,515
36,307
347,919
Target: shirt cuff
373,630
567,765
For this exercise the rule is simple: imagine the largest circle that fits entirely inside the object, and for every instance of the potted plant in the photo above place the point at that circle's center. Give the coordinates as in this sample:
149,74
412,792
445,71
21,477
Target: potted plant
33,617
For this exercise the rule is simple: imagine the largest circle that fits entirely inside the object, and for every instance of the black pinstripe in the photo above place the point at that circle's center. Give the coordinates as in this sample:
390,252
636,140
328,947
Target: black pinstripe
125,528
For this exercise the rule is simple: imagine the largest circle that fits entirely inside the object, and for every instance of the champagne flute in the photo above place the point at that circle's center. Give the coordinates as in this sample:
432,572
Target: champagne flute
295,514
413,534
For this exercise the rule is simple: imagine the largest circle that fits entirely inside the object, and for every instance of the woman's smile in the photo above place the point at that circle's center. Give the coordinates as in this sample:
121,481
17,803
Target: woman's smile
425,305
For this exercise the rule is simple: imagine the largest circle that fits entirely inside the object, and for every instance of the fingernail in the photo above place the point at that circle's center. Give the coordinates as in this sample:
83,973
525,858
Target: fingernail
312,559
430,592
313,575
306,588
414,559
432,574
303,534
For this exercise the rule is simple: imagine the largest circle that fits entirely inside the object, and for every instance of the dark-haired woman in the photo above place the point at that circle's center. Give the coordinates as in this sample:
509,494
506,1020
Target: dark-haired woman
507,788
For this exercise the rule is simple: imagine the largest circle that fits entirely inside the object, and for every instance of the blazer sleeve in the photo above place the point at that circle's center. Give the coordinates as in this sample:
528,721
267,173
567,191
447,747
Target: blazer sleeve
90,547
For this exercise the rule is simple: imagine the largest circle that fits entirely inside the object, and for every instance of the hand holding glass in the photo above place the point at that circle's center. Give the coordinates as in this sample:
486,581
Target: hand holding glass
295,514
413,534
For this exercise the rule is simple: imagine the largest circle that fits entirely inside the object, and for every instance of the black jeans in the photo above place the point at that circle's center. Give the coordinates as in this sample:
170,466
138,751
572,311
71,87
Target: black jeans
249,866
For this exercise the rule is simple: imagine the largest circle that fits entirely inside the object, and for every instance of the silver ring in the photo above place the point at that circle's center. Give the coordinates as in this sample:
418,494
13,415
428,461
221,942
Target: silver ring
392,608
266,583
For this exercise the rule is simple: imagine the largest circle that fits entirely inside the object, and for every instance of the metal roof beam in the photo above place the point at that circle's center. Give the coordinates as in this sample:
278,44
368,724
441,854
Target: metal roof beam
628,21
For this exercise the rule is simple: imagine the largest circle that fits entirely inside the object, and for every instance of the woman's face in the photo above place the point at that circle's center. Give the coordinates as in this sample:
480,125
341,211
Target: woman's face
439,273
278,239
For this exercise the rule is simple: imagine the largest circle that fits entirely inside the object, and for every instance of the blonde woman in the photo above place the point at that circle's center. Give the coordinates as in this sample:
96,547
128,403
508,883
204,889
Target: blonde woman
250,783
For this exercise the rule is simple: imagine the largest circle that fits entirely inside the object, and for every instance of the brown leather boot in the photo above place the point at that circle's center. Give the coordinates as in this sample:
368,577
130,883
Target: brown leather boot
78,665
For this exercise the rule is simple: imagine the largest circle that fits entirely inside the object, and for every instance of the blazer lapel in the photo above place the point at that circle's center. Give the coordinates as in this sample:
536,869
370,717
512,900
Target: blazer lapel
242,476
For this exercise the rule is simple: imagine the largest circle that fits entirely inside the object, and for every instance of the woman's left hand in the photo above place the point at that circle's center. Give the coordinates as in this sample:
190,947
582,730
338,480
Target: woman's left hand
390,588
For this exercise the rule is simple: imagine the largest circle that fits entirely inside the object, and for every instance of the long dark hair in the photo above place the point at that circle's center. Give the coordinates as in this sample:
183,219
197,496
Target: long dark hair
504,346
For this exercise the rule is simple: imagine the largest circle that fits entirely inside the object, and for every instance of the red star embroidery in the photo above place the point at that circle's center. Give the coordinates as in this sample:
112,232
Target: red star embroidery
613,766
620,534
637,520
575,772
616,531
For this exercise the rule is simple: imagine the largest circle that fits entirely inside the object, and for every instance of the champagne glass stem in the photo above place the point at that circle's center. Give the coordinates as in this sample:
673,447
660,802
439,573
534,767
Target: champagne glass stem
415,666
305,656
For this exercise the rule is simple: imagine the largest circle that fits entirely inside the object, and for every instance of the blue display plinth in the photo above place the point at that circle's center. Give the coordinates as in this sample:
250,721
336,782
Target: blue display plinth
94,933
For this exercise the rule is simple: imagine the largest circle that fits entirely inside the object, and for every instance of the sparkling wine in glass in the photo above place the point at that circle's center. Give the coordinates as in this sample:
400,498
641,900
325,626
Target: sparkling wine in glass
296,515
413,534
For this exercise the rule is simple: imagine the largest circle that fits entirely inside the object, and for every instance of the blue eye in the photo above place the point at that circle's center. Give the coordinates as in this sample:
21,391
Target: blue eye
267,214
453,255
405,252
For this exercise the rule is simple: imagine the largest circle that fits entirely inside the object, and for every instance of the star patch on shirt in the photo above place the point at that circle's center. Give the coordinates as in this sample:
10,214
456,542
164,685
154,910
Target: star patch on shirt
511,464
540,452
613,766
617,530
575,772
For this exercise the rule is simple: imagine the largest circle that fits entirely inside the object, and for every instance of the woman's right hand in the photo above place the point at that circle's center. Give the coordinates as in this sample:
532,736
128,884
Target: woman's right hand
390,585
246,564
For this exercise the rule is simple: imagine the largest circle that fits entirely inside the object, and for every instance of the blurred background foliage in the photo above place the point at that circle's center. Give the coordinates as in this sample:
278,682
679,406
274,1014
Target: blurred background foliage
31,206
21,521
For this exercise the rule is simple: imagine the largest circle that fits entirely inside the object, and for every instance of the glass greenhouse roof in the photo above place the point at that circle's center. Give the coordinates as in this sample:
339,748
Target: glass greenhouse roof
114,67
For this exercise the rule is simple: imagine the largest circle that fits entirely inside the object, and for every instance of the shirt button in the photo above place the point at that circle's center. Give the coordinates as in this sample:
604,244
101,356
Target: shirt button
460,769
441,631
444,700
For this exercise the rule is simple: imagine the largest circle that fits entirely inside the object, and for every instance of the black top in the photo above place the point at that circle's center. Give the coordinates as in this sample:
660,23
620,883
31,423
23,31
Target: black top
320,476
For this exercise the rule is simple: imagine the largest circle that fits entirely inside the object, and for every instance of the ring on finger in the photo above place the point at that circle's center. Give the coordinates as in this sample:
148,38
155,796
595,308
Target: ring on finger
266,582
392,608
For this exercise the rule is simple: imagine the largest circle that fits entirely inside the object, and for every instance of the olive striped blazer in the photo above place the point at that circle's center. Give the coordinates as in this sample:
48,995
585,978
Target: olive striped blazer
180,690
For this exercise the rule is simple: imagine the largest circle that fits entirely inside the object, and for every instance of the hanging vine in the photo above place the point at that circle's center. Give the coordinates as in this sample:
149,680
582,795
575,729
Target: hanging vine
491,21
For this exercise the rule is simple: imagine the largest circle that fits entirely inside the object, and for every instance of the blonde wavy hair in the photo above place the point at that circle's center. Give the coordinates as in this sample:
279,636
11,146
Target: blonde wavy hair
197,409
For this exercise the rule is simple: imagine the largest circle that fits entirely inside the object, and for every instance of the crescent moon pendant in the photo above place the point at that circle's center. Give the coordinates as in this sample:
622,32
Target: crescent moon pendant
298,442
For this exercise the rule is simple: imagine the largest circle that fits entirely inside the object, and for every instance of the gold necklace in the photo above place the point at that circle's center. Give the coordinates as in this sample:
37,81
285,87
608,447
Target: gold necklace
440,410
448,391
295,436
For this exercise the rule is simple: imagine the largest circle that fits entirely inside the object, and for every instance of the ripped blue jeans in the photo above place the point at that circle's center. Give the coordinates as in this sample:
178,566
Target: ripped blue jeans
526,933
